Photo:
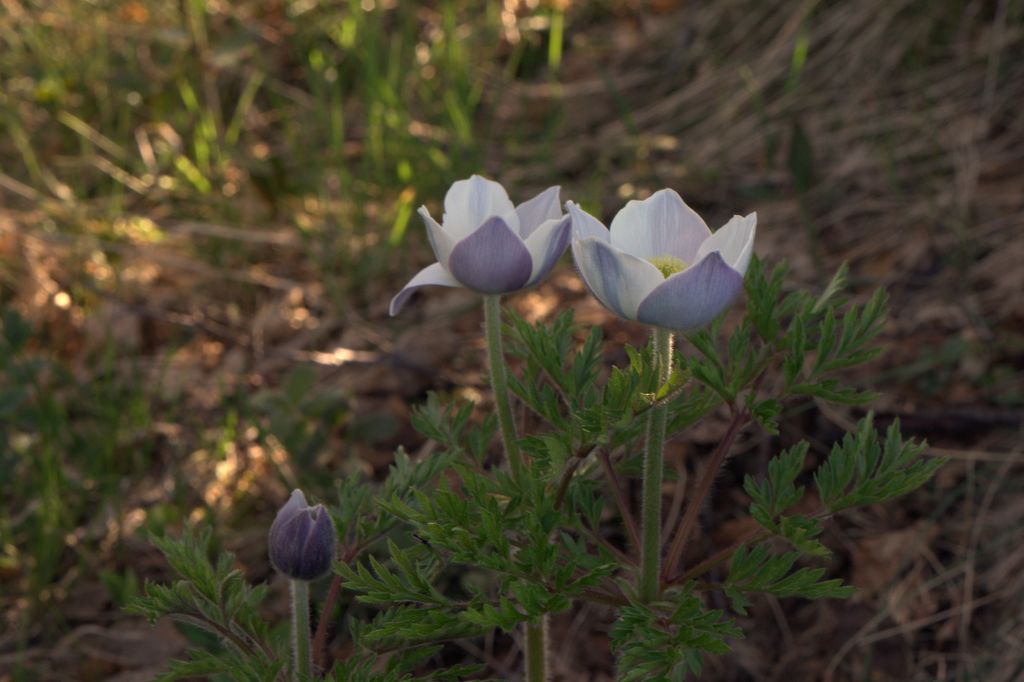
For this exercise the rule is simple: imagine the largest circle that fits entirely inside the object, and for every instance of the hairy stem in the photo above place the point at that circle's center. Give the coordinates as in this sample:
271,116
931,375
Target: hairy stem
723,555
499,381
650,520
320,636
719,557
620,498
563,483
675,552
301,652
537,650
536,632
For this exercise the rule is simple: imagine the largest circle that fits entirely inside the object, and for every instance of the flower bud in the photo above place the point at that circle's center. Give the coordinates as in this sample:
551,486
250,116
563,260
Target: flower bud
302,539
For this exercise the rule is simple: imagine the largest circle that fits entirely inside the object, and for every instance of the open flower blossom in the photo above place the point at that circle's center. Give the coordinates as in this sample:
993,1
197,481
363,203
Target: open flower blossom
659,264
486,244
302,539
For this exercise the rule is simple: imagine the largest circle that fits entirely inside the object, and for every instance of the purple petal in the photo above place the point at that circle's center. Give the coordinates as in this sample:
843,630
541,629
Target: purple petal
296,503
661,225
585,225
432,274
546,245
492,260
536,211
470,202
615,278
301,546
692,298
287,541
318,550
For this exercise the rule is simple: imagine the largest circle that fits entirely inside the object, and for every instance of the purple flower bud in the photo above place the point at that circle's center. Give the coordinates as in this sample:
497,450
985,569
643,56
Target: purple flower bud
302,539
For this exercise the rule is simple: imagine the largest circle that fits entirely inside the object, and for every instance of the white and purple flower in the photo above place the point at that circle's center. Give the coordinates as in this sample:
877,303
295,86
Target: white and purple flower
487,244
659,264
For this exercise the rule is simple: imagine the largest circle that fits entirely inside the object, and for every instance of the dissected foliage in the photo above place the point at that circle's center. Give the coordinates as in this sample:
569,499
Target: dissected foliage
537,542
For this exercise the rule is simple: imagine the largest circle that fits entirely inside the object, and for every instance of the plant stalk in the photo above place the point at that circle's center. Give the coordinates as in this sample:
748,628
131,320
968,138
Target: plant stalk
650,520
536,632
301,650
620,499
689,520
320,634
499,381
537,650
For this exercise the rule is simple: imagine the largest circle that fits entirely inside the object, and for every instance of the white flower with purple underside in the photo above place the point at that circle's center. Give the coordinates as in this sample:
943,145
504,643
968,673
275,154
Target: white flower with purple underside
486,244
659,264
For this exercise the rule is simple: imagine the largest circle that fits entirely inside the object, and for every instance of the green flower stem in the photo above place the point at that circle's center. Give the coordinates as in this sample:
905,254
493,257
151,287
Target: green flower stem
536,632
650,522
537,650
499,381
301,651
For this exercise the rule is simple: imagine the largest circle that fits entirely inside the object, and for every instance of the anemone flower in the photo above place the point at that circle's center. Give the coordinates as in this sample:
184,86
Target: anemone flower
489,246
302,539
659,264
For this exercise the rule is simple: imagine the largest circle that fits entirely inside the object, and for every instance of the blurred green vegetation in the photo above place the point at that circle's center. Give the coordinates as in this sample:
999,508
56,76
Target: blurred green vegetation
337,116
332,119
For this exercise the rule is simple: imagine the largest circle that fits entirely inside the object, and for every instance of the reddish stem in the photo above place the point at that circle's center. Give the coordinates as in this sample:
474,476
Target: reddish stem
563,485
320,637
718,557
689,520
620,498
751,538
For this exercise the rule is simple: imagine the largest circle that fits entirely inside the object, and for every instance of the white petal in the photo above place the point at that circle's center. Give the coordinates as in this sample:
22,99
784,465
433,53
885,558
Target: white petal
536,211
585,225
617,279
440,241
470,202
735,241
432,274
546,245
661,225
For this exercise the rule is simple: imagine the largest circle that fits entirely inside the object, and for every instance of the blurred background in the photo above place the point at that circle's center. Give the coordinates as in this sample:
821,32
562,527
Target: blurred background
206,205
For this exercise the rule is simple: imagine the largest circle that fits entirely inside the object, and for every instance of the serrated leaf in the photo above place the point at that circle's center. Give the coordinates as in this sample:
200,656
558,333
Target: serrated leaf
862,470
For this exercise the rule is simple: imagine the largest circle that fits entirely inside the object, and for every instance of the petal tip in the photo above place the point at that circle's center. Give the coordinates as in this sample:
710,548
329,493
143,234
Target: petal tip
585,225
434,274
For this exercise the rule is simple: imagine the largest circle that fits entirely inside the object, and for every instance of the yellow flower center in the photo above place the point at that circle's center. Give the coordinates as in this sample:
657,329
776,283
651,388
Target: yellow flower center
668,265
